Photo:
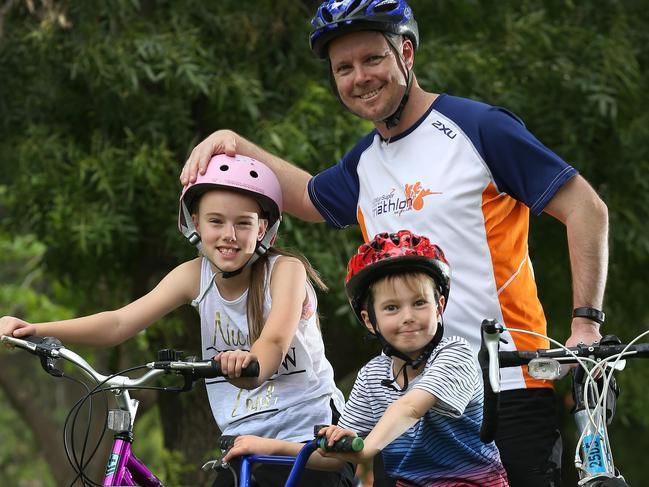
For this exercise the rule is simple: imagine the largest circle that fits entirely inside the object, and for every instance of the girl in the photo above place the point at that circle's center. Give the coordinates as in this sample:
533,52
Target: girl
255,303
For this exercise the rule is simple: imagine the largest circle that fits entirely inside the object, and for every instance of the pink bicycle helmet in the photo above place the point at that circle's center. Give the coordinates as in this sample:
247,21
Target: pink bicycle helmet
239,173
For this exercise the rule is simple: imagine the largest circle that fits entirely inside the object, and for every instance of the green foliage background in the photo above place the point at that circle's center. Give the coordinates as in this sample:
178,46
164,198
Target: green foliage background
101,102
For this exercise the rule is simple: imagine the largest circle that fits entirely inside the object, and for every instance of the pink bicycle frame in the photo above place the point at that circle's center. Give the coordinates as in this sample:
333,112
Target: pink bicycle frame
124,468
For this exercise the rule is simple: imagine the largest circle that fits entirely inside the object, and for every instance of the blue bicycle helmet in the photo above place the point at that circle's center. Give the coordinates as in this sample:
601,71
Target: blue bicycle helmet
335,18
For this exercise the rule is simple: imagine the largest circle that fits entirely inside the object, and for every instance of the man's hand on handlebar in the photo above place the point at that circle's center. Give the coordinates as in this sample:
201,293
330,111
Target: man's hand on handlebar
583,331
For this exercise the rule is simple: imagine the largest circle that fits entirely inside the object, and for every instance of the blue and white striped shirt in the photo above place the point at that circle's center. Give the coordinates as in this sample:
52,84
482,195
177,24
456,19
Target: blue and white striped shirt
443,448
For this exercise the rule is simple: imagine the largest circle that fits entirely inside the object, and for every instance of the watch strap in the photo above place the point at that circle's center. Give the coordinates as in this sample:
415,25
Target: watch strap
593,314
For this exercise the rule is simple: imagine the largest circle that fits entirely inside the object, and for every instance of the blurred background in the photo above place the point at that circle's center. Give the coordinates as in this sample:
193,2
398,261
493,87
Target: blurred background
101,103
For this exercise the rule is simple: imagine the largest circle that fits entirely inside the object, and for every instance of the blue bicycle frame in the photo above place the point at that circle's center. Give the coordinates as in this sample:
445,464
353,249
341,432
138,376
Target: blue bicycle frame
298,462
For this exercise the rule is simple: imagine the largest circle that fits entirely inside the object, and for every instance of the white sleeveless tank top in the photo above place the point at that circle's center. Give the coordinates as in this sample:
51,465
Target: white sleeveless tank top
295,398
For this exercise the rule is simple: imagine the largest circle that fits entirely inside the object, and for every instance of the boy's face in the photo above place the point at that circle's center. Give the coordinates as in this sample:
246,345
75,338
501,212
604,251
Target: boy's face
406,312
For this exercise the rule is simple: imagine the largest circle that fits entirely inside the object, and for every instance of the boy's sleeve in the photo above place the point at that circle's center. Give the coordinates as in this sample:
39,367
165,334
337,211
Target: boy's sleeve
358,415
450,377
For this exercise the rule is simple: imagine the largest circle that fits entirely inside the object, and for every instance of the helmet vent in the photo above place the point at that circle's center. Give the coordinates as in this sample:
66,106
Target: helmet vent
224,167
386,6
327,15
353,6
254,174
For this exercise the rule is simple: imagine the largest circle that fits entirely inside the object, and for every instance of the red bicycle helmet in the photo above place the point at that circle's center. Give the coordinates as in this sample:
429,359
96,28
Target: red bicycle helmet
392,253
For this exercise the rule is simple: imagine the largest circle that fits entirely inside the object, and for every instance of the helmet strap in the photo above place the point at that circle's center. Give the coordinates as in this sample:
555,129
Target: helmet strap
189,229
393,120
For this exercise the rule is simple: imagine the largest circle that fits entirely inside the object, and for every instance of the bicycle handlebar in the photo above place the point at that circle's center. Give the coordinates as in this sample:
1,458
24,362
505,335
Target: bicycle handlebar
491,359
49,349
347,444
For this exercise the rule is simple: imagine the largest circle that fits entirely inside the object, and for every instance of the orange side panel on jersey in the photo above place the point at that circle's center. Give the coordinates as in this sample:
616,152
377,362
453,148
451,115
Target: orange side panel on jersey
506,224
361,223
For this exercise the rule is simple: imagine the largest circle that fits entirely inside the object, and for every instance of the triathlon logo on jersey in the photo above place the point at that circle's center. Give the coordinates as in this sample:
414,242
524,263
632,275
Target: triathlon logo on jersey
413,199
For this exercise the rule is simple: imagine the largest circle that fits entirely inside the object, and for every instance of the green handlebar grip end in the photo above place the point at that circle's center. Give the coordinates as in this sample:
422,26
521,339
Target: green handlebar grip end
357,443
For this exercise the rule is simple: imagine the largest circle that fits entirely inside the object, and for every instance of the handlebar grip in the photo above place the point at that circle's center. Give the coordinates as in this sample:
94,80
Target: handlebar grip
514,359
227,441
251,371
214,370
209,371
343,445
206,369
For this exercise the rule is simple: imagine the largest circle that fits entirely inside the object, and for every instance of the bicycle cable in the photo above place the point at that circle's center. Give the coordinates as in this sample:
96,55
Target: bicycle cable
78,464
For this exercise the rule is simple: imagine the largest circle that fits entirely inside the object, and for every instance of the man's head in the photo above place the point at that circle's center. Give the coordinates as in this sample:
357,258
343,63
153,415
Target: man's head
370,45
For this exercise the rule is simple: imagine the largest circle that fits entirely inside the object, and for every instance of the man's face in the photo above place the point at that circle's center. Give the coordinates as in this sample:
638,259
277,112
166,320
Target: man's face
367,74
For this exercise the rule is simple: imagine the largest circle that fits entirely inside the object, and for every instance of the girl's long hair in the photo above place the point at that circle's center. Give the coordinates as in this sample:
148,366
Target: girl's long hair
256,290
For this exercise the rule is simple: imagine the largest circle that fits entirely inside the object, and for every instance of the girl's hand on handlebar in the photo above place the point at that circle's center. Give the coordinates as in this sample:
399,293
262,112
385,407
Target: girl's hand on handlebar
249,445
16,327
233,361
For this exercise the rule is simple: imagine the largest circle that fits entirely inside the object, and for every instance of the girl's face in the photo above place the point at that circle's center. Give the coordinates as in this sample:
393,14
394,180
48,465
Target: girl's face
230,227
407,314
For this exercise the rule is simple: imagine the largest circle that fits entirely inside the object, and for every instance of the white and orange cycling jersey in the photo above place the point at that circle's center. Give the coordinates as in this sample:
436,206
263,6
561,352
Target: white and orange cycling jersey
466,175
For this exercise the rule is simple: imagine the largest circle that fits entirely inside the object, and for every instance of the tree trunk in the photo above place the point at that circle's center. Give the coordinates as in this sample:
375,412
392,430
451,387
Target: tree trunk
187,421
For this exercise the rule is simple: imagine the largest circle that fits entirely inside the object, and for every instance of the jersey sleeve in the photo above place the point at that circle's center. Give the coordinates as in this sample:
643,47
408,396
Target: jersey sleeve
358,415
334,191
520,164
451,377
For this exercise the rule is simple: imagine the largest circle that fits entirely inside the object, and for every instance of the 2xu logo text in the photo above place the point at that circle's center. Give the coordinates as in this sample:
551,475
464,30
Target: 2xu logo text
443,128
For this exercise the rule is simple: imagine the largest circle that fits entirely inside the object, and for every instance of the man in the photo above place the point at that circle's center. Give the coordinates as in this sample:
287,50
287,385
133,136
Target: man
466,175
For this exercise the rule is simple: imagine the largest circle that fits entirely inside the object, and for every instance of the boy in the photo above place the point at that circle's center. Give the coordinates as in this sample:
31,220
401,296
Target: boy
421,399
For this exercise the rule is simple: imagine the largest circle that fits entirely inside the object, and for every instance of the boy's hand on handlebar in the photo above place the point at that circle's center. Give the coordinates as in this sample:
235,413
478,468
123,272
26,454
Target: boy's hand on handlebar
16,327
233,361
250,445
219,142
334,433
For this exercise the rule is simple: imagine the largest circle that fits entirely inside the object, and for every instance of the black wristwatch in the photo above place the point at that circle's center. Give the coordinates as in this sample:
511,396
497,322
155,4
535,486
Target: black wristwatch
590,313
